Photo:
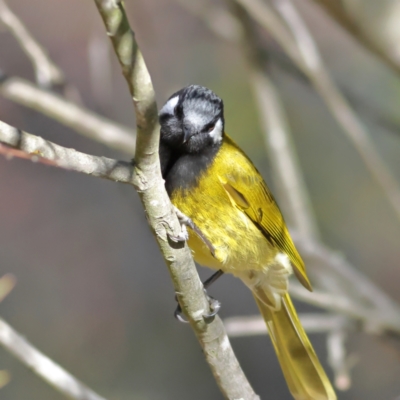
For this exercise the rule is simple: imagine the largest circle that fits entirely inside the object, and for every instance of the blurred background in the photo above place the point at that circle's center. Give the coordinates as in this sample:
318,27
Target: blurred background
93,292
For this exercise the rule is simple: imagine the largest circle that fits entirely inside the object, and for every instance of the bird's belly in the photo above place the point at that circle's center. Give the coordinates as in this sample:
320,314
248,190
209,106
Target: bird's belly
239,245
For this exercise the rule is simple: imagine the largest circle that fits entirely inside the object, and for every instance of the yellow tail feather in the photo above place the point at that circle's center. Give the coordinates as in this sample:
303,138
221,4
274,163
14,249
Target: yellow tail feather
300,365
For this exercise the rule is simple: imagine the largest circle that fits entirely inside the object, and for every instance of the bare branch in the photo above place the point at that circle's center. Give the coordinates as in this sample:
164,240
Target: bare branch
118,171
216,18
337,276
301,48
255,325
352,16
47,73
76,117
335,326
288,177
338,359
5,378
7,283
148,182
43,366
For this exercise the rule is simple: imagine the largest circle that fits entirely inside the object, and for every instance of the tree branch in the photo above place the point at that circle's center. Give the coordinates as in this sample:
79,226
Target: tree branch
68,113
287,173
149,184
47,73
43,366
301,48
7,283
255,325
44,150
351,16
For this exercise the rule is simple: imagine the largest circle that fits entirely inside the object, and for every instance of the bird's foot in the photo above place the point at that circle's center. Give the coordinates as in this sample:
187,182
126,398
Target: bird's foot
214,305
185,222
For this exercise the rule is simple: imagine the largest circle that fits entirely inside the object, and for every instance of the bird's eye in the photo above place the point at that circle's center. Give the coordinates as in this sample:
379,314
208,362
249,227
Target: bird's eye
210,127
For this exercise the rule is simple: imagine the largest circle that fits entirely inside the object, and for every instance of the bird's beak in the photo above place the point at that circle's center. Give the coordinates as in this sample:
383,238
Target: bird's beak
187,134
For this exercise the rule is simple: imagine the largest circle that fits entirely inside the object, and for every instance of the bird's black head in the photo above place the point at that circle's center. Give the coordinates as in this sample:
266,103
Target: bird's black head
192,120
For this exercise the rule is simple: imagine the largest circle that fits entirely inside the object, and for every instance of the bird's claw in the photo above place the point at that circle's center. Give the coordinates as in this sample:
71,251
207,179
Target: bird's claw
178,314
214,304
182,236
185,221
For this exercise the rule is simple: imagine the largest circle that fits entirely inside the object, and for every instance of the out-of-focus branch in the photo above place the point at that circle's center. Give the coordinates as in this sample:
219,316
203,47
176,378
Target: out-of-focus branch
255,325
43,366
338,359
7,283
70,114
149,184
5,378
216,18
376,36
337,276
41,150
293,36
47,73
287,174
51,372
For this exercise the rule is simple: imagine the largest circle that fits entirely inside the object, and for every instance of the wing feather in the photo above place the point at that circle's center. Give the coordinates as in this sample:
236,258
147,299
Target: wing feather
249,193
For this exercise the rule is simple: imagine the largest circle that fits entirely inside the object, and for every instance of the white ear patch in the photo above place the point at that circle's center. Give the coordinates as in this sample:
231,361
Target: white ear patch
217,132
169,106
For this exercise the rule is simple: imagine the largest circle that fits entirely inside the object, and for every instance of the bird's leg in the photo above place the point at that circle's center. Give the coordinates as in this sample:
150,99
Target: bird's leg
215,305
209,281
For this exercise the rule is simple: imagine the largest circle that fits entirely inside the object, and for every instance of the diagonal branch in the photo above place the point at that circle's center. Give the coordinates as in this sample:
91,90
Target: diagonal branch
295,39
149,184
287,173
351,16
43,366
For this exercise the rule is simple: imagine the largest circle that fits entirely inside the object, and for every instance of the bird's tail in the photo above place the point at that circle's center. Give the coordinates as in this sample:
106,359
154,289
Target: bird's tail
300,365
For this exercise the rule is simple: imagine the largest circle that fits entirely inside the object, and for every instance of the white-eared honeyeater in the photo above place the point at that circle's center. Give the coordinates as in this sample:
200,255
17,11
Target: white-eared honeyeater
212,181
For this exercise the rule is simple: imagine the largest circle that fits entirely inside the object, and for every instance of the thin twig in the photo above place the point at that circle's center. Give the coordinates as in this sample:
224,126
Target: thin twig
301,48
148,182
43,366
47,73
338,359
350,15
5,378
255,325
287,173
70,114
215,17
7,283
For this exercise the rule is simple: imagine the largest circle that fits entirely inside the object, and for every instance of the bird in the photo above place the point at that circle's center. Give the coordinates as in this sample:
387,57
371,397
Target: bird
213,182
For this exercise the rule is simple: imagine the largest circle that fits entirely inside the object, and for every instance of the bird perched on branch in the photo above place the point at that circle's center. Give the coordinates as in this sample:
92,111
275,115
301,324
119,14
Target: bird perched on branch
212,181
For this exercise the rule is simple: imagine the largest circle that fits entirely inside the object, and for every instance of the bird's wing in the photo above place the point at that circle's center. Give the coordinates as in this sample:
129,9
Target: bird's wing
249,193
